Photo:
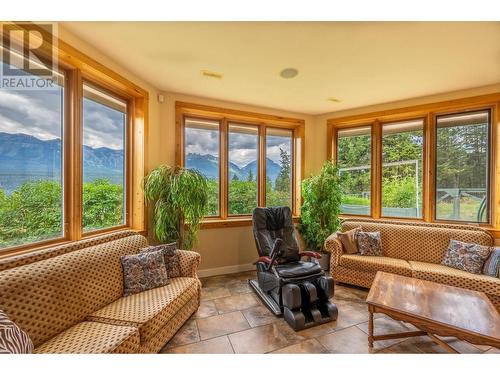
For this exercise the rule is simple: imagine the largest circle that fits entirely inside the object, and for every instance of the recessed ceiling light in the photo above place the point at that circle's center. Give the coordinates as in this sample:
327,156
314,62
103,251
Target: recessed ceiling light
334,100
208,73
289,73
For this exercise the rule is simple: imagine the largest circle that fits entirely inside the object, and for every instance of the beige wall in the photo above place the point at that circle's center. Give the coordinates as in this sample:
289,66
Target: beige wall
229,249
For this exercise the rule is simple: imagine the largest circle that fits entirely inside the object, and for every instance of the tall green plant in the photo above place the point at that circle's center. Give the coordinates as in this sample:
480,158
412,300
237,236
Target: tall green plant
322,195
180,200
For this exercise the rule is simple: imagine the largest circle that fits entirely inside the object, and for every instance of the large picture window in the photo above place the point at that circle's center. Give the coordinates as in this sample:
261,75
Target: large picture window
31,164
402,169
247,158
202,140
243,169
278,167
354,160
462,167
104,159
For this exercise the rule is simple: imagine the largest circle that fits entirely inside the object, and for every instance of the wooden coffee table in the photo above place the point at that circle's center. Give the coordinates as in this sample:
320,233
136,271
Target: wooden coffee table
435,309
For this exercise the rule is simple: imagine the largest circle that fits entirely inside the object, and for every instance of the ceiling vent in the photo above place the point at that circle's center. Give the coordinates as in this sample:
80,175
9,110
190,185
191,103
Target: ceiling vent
208,73
334,100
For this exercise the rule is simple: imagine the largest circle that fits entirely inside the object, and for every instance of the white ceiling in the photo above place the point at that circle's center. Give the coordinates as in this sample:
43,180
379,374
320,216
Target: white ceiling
360,63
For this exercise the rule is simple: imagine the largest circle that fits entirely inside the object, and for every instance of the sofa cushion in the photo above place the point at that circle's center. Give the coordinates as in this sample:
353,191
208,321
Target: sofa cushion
349,240
152,309
93,338
466,256
450,276
492,264
49,296
369,243
143,271
170,255
375,263
13,340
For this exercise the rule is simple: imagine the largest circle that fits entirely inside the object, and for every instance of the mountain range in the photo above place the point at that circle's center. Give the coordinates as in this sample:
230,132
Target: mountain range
208,165
24,157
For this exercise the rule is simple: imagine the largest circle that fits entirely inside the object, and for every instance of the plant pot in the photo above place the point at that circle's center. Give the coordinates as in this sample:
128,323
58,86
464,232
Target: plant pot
324,262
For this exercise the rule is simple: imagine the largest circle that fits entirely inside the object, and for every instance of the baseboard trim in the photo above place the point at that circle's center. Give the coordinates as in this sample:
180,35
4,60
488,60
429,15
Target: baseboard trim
226,270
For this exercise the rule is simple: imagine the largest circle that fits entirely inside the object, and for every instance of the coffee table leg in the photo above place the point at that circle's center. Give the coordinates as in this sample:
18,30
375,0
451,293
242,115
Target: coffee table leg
370,327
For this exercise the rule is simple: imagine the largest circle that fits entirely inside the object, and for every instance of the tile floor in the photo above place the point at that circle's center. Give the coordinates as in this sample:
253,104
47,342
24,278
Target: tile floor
231,319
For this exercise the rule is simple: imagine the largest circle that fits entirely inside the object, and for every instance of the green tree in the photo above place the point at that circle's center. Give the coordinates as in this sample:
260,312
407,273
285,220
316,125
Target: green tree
102,204
250,175
235,177
33,212
180,199
322,196
242,197
282,182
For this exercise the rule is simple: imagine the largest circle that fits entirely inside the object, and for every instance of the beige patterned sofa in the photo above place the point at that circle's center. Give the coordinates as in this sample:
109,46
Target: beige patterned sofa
69,299
411,249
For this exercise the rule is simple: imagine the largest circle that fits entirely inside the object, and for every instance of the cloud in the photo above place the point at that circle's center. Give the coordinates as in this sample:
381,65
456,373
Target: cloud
37,113
242,148
103,126
201,141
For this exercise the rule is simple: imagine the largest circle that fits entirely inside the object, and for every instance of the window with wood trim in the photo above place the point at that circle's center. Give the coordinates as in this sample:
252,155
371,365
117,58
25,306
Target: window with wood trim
104,159
71,156
402,168
462,167
32,180
354,160
249,159
432,162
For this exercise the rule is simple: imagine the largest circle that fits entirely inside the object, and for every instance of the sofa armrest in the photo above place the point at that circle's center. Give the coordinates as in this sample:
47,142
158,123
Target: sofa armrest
334,247
189,262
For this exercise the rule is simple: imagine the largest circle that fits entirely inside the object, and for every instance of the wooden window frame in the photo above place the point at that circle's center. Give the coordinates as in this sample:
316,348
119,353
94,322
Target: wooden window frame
429,113
77,68
335,135
184,110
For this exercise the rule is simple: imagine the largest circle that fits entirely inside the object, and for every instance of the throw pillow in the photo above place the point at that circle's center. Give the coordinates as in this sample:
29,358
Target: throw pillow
492,264
349,240
171,257
370,243
13,340
143,271
465,256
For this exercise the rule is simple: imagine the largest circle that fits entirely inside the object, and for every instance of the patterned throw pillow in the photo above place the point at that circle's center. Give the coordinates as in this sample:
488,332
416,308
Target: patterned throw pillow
349,240
465,256
492,264
370,243
171,256
143,271
13,340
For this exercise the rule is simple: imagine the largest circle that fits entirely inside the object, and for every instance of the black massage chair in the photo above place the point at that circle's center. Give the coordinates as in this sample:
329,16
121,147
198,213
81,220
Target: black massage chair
299,290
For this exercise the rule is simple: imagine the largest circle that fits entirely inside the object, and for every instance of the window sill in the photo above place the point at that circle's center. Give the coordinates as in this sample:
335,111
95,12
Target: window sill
242,221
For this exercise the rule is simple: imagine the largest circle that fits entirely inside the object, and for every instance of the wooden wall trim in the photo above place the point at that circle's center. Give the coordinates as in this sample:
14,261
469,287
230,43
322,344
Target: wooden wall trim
416,110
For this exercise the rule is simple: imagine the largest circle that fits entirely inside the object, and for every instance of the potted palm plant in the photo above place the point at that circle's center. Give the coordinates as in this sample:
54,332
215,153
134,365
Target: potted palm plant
180,199
319,215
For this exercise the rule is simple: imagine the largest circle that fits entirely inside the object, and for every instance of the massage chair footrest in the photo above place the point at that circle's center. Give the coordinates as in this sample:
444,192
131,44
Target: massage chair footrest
303,309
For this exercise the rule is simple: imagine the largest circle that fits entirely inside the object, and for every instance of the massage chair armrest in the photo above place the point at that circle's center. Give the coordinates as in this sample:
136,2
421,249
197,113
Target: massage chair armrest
265,259
312,254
